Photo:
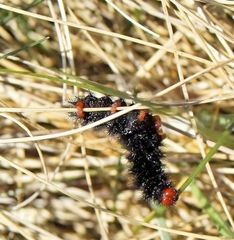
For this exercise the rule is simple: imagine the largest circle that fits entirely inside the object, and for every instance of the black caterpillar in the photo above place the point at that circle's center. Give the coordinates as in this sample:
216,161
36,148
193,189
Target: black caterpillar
141,134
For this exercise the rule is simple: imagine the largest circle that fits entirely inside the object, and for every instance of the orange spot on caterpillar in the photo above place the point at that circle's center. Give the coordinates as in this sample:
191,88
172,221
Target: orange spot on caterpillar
169,197
142,115
158,123
79,109
115,105
158,126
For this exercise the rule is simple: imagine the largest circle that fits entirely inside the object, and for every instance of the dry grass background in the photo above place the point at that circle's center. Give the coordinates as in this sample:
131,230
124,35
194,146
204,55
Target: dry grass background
75,185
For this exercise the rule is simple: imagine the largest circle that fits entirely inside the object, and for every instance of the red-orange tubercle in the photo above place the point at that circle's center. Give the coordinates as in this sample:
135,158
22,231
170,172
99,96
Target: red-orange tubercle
80,109
169,197
158,123
114,106
158,126
141,116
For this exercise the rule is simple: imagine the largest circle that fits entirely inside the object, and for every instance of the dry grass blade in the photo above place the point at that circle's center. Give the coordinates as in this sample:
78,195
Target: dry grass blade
60,180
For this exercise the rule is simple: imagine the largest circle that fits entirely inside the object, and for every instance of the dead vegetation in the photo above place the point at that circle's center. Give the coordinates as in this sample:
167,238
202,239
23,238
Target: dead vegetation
73,183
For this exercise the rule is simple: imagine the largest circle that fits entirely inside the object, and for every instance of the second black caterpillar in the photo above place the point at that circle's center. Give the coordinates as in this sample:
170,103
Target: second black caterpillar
140,133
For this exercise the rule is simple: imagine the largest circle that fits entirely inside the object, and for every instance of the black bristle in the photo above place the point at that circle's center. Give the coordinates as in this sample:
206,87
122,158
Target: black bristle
140,136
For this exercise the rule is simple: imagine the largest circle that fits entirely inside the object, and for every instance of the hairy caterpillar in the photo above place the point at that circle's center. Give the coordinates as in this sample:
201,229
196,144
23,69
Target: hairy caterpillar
141,134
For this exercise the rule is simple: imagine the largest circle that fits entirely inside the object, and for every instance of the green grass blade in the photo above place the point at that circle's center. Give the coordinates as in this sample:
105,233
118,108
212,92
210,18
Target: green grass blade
208,157
8,16
205,205
212,126
158,212
27,46
93,86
